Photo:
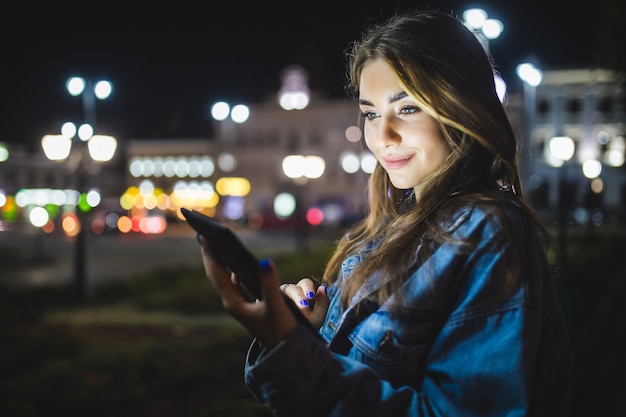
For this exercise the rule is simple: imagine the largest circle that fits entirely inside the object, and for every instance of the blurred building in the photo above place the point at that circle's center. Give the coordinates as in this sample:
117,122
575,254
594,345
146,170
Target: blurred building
254,151
239,173
585,106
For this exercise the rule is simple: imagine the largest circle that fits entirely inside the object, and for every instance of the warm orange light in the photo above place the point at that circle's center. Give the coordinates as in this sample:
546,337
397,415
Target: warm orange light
9,205
124,224
70,224
48,227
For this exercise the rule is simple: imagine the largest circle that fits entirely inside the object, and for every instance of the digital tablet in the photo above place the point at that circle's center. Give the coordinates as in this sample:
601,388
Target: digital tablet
228,250
231,253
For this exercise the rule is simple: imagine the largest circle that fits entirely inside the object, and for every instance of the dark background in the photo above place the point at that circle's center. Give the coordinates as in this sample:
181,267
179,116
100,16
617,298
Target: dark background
170,62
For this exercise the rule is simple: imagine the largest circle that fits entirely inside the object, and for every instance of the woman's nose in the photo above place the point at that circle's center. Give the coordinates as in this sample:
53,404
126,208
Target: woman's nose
387,133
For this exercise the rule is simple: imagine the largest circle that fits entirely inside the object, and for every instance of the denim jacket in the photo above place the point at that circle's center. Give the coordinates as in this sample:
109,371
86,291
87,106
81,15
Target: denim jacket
456,347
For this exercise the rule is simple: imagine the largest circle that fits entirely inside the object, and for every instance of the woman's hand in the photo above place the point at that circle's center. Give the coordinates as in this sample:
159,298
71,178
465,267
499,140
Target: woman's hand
270,320
304,295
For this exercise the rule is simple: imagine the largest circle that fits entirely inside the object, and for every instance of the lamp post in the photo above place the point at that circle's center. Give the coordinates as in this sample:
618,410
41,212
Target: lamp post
300,169
89,93
227,118
294,92
561,149
88,151
484,28
531,77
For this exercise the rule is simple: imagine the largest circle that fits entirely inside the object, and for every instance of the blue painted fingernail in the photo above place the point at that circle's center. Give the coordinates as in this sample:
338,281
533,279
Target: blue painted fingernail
265,265
325,289
310,294
304,303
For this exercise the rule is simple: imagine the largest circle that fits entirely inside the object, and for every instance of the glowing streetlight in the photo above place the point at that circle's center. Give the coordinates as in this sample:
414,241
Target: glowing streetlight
89,148
562,148
531,77
294,93
299,168
529,73
89,93
227,118
484,28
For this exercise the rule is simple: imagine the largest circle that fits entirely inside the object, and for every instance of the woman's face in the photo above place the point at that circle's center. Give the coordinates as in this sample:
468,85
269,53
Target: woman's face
405,140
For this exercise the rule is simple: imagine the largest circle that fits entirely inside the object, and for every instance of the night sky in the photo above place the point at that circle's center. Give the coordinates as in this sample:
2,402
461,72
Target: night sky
168,64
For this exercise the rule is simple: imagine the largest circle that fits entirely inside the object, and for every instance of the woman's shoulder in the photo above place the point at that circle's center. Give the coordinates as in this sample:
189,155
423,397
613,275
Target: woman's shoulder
491,215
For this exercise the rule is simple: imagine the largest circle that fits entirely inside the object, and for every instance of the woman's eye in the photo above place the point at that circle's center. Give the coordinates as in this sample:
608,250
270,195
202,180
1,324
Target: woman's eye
369,115
409,109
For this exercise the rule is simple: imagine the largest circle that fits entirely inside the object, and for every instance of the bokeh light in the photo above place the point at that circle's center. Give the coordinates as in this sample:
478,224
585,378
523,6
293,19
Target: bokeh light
284,205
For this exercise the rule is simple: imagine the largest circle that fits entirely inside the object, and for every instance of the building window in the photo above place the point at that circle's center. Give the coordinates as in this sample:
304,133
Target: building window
605,109
574,105
573,110
543,110
273,138
293,142
315,140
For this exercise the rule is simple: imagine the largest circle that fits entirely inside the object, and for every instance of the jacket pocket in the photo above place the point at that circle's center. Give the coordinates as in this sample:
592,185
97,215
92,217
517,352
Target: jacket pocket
395,345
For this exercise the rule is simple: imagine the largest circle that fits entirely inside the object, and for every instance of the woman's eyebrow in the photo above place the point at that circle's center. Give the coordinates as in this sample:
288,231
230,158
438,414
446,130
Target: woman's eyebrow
398,96
392,98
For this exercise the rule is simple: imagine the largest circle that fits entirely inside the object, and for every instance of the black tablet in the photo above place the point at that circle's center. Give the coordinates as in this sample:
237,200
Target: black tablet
230,252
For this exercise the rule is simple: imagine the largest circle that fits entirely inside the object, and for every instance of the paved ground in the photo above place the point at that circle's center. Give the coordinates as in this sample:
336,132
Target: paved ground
595,306
599,348
46,259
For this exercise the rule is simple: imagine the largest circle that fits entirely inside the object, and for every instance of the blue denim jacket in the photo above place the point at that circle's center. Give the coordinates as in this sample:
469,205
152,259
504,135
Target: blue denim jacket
456,347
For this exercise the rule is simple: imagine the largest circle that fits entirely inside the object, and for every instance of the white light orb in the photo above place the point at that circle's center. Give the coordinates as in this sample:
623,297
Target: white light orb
103,89
220,110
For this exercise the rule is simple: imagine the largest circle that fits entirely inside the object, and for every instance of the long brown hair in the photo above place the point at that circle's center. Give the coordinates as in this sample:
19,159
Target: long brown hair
441,64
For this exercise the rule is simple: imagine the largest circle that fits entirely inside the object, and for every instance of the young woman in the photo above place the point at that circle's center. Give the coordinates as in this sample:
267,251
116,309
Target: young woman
441,301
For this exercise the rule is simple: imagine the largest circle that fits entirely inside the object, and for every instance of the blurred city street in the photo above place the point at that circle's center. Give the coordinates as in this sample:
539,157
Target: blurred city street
38,258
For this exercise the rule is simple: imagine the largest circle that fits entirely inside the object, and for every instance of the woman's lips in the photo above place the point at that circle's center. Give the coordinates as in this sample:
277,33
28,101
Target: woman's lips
397,162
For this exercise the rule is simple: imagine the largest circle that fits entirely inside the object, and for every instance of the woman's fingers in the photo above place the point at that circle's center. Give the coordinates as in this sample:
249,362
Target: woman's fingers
322,303
268,319
269,281
300,296
222,280
308,288
304,295
278,320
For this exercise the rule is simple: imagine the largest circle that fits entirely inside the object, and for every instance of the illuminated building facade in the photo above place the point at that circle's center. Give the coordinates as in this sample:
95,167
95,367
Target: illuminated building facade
238,173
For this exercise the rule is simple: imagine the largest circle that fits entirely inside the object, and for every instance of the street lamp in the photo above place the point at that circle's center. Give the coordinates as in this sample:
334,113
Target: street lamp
89,93
561,149
88,151
484,28
300,169
227,118
294,92
531,77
